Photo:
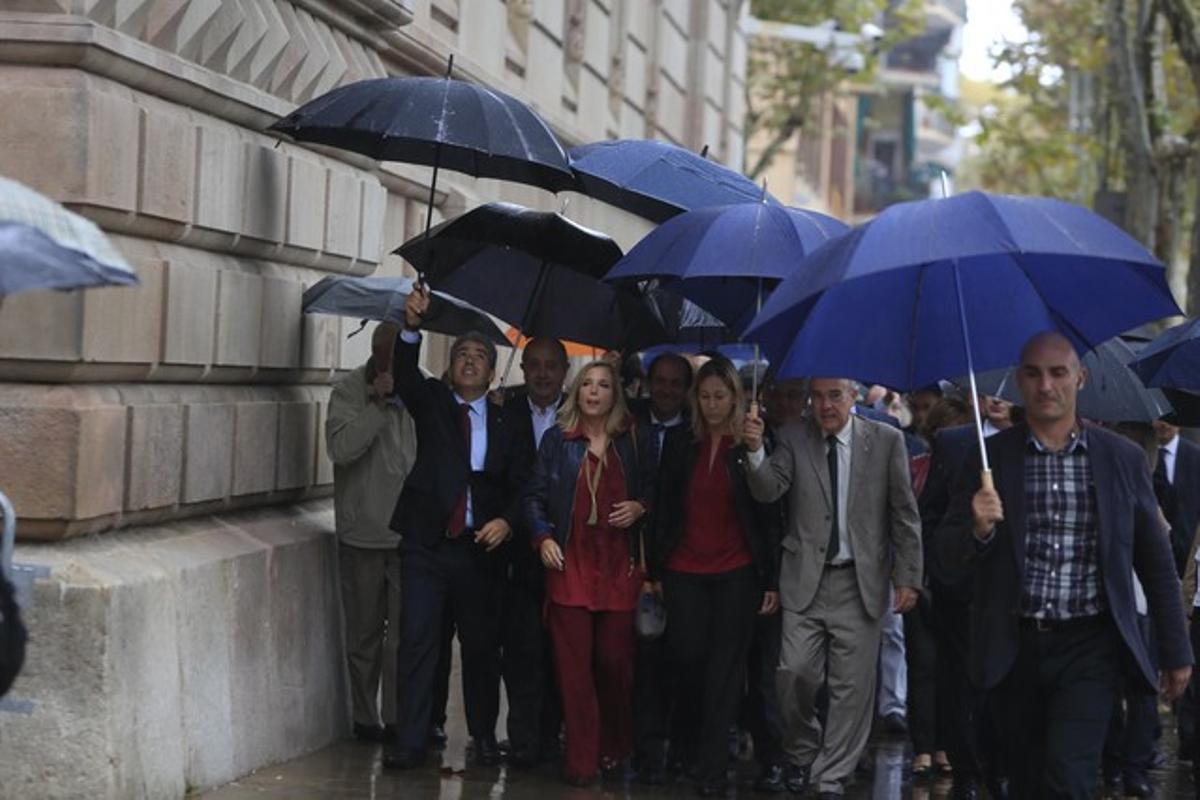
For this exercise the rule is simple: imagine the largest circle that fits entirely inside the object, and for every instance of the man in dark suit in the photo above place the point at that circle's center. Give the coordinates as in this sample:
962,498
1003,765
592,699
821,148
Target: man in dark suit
1177,485
669,378
534,716
458,508
1051,553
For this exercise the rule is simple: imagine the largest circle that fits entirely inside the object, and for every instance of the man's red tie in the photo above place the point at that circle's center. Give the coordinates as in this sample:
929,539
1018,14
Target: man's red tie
458,517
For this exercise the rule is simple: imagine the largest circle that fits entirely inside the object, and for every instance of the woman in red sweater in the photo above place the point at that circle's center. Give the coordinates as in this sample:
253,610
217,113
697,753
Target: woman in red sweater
717,559
591,487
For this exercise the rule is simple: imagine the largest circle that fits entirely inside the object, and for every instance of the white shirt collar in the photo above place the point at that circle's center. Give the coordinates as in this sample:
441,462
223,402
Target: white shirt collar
843,436
666,423
538,410
1172,445
478,405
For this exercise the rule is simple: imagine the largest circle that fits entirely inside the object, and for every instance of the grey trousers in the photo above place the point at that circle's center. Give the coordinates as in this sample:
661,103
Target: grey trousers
833,640
370,584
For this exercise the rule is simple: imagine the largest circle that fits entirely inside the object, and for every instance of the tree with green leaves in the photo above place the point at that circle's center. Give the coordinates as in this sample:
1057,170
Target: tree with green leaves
786,80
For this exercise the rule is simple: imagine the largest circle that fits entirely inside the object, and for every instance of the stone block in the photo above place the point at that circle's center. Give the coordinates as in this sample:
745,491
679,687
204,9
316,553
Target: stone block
372,243
239,318
306,204
255,446
319,341
43,326
37,447
155,456
297,444
343,213
219,182
543,86
264,192
44,145
175,658
191,313
124,324
100,465
167,169
635,75
208,451
324,475
281,325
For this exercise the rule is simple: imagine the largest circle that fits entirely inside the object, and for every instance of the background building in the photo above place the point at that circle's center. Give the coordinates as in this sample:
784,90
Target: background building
163,445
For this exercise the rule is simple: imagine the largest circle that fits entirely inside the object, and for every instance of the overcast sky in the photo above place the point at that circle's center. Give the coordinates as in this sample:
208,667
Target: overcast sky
988,21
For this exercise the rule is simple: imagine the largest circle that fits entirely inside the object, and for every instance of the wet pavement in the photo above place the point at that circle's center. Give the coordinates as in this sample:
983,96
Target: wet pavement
354,770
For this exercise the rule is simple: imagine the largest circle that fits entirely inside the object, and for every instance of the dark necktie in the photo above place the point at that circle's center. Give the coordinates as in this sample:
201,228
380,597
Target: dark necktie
1160,469
660,433
458,516
831,457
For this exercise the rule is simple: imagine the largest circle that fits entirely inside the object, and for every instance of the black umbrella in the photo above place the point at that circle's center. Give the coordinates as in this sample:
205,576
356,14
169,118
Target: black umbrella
438,122
1112,393
382,298
536,271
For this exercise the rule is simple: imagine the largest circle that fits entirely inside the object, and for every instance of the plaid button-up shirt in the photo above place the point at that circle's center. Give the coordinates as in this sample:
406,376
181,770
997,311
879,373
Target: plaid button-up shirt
1062,556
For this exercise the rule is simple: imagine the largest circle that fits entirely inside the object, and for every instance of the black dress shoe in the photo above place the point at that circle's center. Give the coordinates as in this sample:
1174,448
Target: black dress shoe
1138,786
369,733
402,759
652,772
711,788
965,788
795,779
770,780
487,752
438,737
522,758
895,724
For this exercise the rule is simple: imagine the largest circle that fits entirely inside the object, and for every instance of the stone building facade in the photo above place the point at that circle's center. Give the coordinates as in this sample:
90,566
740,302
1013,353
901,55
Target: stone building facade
163,445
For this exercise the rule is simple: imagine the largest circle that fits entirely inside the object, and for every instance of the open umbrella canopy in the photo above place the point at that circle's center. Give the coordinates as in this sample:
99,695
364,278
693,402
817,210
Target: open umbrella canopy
897,300
45,246
510,237
383,299
657,180
1172,359
1112,392
535,271
726,258
439,122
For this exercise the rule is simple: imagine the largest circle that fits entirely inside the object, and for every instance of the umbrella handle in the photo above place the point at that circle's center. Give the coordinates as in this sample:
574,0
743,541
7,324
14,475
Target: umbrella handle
985,479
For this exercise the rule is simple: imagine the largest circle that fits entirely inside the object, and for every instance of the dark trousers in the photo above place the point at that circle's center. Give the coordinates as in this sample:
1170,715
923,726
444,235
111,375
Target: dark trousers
593,657
926,695
761,706
709,623
1129,746
459,578
967,725
441,686
652,683
527,683
1053,708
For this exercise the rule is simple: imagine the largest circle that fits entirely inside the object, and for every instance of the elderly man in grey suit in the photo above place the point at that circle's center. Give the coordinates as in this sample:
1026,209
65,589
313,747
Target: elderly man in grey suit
853,527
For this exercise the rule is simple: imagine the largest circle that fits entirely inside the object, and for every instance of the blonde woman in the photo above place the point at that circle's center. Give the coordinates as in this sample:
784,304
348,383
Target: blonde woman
718,563
591,487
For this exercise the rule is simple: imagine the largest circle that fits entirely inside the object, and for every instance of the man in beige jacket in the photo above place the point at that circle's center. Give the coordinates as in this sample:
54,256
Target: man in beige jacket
853,530
371,441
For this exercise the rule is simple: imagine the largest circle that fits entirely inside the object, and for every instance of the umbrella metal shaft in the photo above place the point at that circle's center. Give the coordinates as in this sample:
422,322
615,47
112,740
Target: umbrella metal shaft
966,335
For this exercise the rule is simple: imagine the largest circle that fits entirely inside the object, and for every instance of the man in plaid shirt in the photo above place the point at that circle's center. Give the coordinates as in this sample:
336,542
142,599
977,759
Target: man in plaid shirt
1050,553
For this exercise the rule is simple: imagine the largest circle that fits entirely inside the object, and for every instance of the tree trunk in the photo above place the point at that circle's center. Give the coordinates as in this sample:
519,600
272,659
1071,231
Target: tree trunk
1141,180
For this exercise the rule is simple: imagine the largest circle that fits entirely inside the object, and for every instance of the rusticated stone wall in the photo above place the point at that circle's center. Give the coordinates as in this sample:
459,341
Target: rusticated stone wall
163,445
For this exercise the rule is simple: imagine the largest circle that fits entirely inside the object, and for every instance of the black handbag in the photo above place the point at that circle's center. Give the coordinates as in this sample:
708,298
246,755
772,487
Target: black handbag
12,637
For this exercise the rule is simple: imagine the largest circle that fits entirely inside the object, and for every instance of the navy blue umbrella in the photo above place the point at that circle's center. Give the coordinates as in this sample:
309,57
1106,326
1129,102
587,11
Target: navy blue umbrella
1172,359
542,280
725,258
942,287
657,180
383,298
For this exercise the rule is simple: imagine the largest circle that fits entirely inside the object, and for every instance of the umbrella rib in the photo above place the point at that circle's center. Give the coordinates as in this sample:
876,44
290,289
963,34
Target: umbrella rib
1018,258
912,342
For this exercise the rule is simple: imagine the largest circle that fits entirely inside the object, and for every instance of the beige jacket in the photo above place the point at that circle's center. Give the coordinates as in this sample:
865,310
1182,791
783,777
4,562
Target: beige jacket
372,447
881,513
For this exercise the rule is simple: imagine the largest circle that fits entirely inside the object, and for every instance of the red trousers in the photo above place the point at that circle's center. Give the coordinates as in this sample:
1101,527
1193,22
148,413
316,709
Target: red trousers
593,656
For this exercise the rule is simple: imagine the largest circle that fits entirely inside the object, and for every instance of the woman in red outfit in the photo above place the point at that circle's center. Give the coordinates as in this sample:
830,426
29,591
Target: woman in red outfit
717,560
591,487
